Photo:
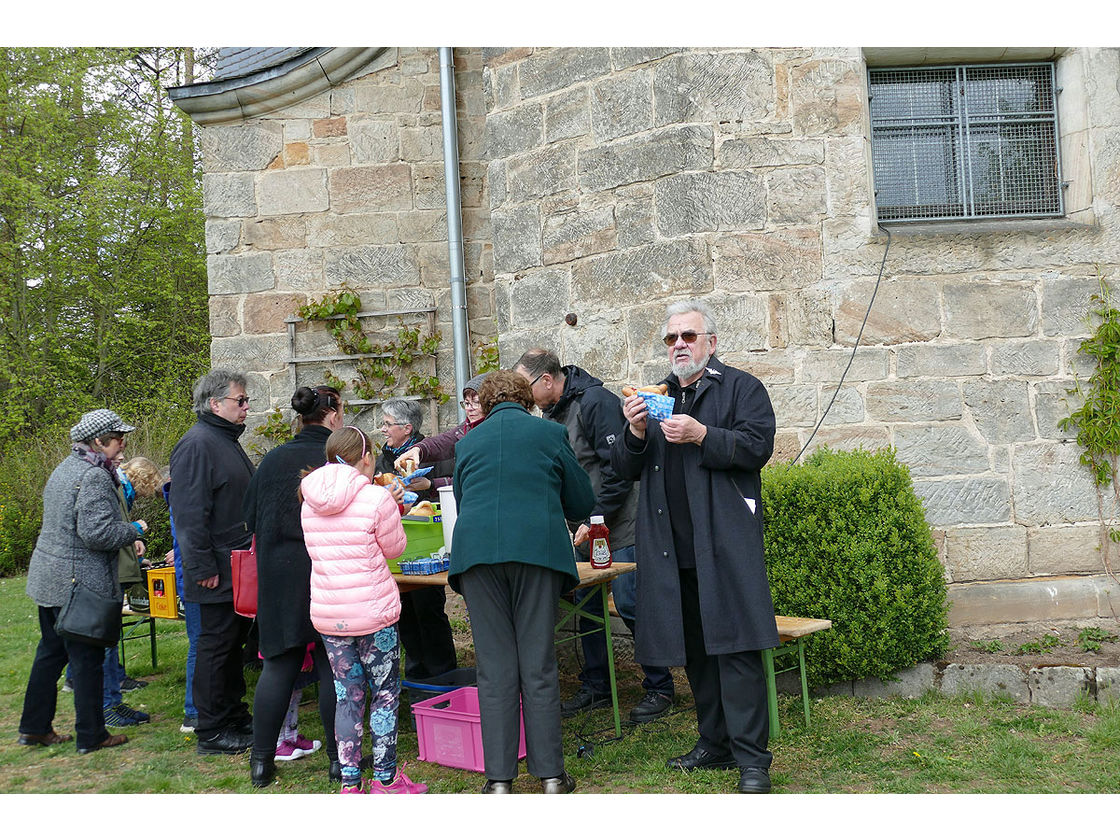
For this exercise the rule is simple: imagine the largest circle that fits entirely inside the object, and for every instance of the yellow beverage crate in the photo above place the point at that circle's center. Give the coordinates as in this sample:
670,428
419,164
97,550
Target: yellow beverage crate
162,598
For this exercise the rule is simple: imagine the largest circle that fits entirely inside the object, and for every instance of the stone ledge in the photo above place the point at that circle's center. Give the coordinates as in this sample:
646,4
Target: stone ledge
1032,599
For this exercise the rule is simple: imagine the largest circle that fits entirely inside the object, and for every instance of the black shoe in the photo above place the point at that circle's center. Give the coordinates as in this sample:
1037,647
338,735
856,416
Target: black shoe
262,770
754,780
243,727
335,771
129,684
226,742
699,758
495,786
584,700
558,784
652,707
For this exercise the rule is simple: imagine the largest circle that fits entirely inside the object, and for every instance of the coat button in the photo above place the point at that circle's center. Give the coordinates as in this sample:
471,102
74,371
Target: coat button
656,468
659,511
664,553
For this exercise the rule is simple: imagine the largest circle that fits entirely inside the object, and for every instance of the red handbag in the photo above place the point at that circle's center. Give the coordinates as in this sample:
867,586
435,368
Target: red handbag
243,569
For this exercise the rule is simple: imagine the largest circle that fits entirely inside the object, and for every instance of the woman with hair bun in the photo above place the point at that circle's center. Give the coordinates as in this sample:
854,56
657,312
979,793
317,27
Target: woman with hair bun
272,510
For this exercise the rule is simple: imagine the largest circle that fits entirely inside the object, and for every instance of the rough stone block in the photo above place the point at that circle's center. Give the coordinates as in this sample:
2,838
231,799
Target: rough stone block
515,131
1001,410
292,191
567,236
1054,402
664,152
266,313
296,130
991,680
1052,486
802,319
1026,358
496,182
517,238
241,148
798,195
904,310
359,189
553,69
850,438
716,87
913,401
1037,599
1066,304
225,316
300,269
222,235
328,230
698,202
870,364
500,84
228,195
986,553
296,154
955,360
567,114
910,682
826,97
1064,549
1108,684
592,346
423,226
623,57
381,98
537,174
428,186
274,234
741,320
959,501
421,143
752,152
255,352
783,259
331,154
634,221
984,310
941,449
374,141
666,268
847,408
312,107
794,405
238,274
621,105
373,266
329,127
1058,686
847,174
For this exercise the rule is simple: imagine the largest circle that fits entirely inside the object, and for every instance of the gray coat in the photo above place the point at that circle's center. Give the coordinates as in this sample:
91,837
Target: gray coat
721,475
82,532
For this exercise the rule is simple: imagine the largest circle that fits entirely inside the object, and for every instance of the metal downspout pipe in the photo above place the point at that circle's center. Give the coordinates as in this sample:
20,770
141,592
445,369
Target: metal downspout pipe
454,223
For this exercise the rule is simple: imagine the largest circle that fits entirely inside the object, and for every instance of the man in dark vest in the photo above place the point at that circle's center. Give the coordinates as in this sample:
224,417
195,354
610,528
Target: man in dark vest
703,595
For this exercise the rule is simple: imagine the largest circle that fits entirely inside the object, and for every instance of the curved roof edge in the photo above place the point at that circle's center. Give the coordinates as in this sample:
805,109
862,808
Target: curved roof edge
239,98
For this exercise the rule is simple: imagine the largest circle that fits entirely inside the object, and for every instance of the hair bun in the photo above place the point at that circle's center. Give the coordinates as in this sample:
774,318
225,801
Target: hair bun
305,400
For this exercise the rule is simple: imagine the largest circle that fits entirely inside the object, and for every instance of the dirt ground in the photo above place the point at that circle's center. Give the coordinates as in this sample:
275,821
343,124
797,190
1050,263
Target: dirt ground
991,644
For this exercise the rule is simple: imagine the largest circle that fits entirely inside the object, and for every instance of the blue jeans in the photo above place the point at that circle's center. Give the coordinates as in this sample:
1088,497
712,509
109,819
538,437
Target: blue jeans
114,673
594,674
191,616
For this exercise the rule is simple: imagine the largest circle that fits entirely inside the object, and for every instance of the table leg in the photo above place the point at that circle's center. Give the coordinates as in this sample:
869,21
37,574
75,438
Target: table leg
804,678
610,658
771,692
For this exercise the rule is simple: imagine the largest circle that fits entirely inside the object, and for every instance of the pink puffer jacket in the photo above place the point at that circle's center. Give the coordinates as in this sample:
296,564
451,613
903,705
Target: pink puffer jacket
350,526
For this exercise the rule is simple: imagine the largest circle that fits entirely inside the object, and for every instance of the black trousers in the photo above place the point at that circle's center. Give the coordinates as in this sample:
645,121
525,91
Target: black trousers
41,698
729,689
429,649
274,693
219,681
512,608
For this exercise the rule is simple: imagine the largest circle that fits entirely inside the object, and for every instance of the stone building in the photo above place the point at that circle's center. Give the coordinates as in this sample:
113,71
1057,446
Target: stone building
609,182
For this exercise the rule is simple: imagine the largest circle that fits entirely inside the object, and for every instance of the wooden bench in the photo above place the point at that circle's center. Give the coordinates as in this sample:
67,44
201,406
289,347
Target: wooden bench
792,632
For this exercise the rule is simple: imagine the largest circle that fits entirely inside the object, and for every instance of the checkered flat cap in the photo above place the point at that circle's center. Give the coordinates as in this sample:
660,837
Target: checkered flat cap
98,422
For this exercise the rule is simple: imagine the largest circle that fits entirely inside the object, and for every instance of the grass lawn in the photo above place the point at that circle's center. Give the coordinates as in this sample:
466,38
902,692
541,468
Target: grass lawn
928,745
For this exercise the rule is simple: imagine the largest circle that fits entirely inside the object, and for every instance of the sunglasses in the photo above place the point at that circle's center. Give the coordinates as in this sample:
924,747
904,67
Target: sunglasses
689,337
241,401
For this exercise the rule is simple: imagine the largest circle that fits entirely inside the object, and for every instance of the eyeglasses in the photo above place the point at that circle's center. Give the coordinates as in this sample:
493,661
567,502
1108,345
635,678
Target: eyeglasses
689,337
469,403
386,423
241,401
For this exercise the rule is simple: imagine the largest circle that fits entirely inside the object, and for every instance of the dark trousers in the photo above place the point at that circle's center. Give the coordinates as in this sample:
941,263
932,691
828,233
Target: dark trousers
273,695
219,681
595,674
41,699
512,608
729,689
425,631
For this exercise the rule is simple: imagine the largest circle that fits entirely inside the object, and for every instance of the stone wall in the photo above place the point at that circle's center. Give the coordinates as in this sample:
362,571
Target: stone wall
623,179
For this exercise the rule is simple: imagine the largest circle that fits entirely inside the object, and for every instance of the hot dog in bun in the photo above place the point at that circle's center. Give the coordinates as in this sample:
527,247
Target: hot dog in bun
631,390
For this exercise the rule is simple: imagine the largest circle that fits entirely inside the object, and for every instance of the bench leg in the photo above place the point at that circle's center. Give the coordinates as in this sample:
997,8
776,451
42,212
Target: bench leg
804,678
771,693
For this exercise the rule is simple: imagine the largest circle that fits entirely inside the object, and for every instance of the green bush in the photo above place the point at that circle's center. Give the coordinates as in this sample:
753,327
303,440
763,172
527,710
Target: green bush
847,540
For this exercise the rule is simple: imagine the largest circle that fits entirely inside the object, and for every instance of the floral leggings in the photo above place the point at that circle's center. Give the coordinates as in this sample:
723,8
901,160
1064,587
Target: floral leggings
359,662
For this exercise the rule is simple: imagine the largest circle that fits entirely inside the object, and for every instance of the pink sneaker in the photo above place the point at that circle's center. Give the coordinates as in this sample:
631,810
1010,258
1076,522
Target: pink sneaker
353,788
306,744
292,750
400,784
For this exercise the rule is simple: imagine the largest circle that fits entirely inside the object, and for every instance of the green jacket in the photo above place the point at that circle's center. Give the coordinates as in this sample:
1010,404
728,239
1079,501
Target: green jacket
516,482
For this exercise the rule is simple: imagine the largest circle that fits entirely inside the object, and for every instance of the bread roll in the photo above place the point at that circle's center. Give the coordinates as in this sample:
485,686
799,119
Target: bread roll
631,390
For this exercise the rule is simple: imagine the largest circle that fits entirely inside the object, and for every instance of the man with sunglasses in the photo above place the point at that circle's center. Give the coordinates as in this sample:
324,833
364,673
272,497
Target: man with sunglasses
210,473
703,597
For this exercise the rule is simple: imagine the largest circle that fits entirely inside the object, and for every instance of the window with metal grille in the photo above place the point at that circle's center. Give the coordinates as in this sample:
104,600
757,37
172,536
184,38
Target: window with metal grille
965,142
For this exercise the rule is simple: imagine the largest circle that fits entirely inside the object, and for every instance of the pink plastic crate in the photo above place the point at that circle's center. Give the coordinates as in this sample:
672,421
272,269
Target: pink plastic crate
449,730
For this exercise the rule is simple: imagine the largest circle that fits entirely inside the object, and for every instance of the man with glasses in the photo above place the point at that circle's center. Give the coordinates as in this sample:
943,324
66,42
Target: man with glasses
593,417
703,597
210,473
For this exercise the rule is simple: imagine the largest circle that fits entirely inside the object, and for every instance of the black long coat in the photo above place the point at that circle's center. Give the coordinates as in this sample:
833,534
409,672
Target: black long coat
721,475
272,511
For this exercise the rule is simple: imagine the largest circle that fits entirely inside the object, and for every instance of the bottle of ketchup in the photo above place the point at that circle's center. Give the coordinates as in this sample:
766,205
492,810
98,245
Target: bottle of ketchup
599,535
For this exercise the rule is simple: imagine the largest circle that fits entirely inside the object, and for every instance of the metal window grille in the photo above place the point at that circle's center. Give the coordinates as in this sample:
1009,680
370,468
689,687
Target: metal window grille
965,142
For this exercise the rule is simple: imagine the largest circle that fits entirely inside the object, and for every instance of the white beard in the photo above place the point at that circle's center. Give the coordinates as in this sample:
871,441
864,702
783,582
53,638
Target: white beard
684,370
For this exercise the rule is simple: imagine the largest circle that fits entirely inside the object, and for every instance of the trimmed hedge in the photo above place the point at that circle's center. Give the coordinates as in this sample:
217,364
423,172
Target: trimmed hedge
847,540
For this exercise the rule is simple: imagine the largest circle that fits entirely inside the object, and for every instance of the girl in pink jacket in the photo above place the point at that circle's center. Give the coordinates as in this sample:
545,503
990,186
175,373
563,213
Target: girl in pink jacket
351,527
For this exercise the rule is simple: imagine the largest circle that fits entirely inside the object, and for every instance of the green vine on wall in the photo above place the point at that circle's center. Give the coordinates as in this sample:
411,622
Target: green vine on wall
486,352
1098,419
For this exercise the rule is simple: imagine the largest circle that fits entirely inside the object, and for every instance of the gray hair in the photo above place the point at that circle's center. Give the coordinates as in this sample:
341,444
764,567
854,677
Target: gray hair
215,385
404,411
683,307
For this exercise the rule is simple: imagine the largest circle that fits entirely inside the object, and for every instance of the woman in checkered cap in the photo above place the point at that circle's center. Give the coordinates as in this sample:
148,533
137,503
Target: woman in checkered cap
82,532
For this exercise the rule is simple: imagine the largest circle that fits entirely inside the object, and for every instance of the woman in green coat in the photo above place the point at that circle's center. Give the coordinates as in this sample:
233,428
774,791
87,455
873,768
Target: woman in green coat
516,482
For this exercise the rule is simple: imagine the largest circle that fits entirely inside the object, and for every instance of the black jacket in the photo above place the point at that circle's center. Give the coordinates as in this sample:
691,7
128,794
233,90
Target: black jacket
210,473
724,484
272,511
594,420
